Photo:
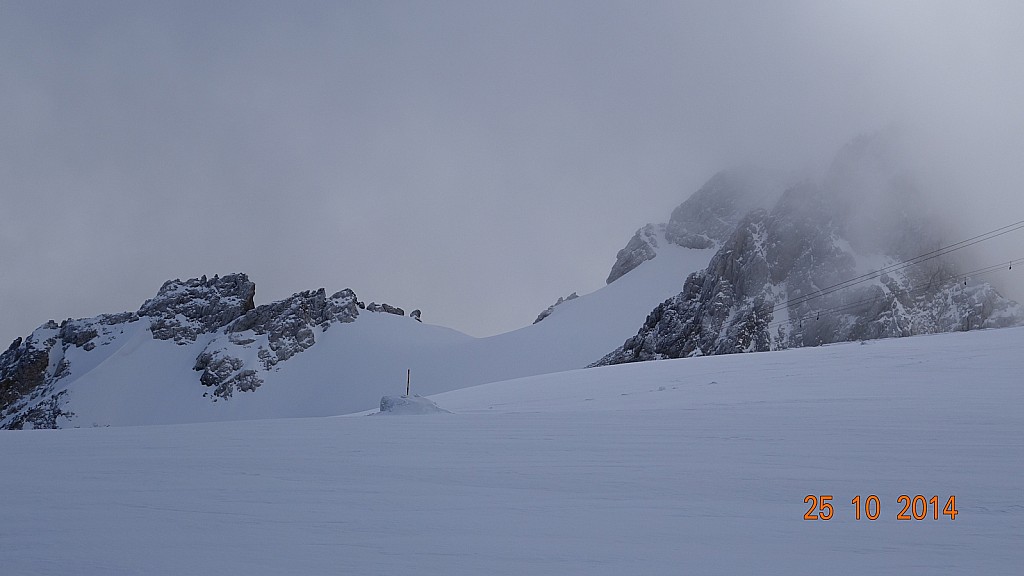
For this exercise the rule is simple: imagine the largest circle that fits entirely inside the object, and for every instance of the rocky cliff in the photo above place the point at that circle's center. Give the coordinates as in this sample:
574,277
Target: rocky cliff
236,341
825,262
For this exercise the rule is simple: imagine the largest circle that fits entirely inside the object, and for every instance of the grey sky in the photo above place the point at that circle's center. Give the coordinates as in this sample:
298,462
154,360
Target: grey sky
472,159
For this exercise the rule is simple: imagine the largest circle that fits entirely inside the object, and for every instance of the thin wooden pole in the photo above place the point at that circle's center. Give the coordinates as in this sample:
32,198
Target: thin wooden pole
408,378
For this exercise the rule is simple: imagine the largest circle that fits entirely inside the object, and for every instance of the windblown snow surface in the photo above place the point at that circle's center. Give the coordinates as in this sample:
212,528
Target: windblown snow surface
694,466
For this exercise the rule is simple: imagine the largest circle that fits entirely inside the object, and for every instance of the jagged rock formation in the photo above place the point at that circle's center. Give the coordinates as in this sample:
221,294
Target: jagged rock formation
547,312
31,368
278,330
385,308
701,319
25,374
289,324
705,219
643,246
28,370
100,330
225,374
768,286
183,310
236,341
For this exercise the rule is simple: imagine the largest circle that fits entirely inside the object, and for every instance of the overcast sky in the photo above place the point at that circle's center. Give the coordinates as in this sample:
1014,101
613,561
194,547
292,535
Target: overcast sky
472,159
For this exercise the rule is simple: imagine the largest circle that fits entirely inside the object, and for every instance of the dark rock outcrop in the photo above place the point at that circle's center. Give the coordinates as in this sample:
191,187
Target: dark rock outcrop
281,329
221,309
23,369
722,309
547,312
225,374
289,324
643,246
385,308
28,370
183,310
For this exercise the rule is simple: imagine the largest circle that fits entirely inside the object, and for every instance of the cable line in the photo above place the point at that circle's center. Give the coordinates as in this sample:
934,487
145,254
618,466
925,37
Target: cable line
901,265
906,291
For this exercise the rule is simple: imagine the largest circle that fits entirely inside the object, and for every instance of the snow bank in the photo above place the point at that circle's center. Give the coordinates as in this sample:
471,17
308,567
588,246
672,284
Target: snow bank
409,405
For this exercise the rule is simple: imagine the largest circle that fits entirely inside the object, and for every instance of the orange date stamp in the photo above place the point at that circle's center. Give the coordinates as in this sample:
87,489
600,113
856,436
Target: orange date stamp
913,508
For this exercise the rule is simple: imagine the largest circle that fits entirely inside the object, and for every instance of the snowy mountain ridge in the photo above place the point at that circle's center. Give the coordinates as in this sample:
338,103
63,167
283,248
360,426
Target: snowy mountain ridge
202,350
745,264
810,266
218,314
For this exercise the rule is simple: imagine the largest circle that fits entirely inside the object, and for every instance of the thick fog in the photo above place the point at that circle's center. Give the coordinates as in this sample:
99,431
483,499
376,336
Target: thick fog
476,160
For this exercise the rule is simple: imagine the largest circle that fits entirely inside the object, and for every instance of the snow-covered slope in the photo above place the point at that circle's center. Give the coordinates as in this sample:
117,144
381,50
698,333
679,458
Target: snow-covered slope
694,466
198,353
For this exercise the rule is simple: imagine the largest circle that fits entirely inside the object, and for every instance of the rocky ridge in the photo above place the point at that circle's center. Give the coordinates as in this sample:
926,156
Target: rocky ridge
217,315
561,300
181,311
706,219
766,287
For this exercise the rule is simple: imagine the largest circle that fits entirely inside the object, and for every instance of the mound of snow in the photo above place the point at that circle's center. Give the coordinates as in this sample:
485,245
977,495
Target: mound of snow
409,405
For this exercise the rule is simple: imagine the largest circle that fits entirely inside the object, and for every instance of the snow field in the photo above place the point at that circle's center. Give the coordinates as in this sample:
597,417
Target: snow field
696,466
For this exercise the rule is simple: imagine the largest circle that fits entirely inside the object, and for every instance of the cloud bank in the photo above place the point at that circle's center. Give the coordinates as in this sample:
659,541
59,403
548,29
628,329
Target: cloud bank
472,159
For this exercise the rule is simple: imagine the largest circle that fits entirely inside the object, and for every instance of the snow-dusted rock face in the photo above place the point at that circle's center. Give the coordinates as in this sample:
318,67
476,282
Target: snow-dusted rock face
277,331
288,324
643,246
705,220
241,341
25,374
385,308
183,310
547,311
704,315
225,373
767,287
31,368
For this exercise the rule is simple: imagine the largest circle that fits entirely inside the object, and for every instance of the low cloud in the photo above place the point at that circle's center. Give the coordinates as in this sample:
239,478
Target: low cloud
475,160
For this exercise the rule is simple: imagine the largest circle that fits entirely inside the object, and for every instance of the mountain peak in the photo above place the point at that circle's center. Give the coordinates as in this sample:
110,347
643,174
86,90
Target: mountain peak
182,310
800,273
706,219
